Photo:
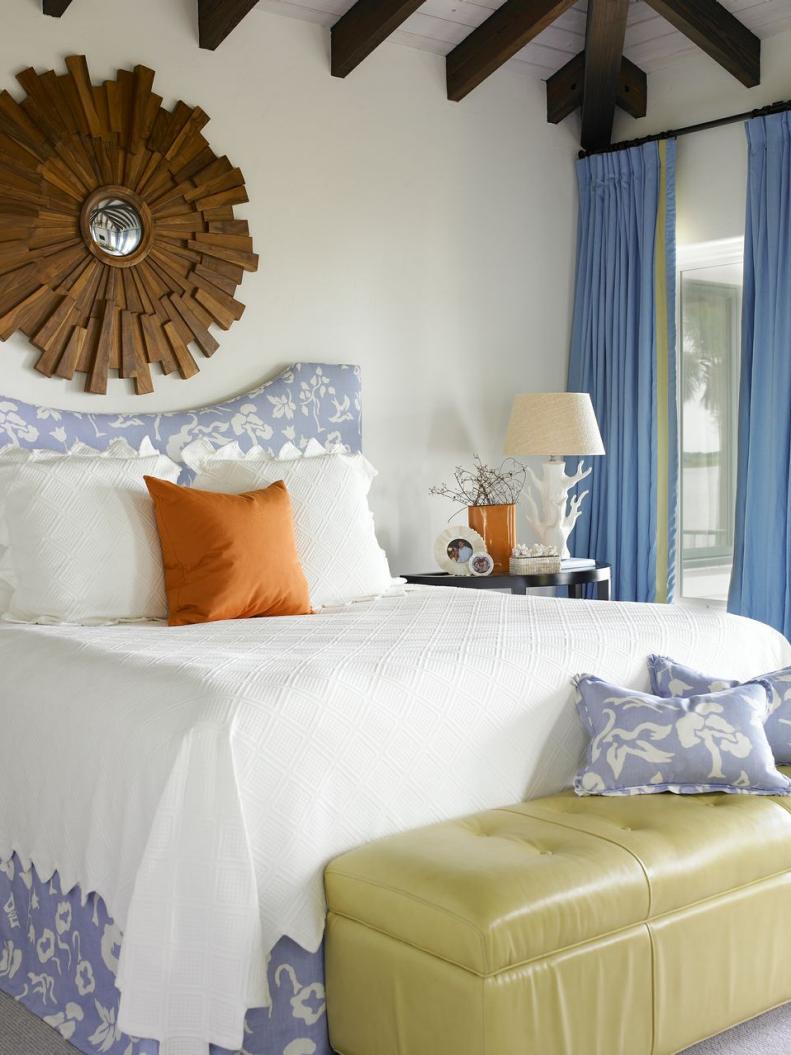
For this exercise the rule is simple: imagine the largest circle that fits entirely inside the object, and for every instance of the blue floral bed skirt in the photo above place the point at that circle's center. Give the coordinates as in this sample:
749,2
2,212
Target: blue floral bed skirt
59,956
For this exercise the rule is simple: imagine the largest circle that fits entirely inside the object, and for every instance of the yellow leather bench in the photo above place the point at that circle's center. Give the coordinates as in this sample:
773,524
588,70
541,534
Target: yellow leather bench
562,926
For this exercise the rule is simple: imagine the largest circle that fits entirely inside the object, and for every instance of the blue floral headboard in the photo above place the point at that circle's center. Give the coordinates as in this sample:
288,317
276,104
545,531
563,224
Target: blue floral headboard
308,400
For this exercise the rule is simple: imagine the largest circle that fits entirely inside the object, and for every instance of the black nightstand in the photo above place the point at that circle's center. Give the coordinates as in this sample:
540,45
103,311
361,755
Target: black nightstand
574,581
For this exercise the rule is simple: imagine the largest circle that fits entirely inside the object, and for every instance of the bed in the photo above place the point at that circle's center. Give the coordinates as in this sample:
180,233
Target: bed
170,796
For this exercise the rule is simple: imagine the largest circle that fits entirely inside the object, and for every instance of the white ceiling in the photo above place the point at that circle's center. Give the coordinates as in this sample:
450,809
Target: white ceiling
651,42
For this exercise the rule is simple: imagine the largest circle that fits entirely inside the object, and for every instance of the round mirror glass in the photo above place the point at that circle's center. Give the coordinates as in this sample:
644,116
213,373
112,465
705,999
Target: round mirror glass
116,227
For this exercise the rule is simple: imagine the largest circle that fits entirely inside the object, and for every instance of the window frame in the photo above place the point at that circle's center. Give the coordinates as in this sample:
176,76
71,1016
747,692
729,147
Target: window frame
689,258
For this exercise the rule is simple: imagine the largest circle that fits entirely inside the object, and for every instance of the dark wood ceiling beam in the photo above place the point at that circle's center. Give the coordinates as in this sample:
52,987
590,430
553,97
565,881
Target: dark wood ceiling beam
631,93
499,38
604,37
717,32
364,27
564,89
217,18
54,7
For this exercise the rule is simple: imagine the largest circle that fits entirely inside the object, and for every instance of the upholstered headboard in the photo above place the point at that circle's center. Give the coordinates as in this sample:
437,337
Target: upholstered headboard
308,400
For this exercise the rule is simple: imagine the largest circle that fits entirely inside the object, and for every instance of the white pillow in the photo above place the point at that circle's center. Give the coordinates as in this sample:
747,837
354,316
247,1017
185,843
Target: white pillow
334,528
12,458
81,535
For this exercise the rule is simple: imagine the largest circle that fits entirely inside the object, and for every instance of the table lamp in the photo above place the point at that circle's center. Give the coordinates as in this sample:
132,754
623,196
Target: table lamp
554,424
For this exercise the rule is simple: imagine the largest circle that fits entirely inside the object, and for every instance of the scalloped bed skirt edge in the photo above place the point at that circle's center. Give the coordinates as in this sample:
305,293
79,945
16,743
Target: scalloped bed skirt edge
58,958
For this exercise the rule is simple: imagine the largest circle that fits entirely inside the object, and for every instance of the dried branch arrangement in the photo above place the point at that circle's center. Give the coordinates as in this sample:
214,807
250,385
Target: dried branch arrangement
483,485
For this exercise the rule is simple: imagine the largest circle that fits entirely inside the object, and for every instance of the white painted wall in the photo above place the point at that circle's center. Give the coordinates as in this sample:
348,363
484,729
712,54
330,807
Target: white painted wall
431,242
711,166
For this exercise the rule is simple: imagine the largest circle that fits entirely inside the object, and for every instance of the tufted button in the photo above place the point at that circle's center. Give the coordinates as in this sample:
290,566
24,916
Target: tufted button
626,828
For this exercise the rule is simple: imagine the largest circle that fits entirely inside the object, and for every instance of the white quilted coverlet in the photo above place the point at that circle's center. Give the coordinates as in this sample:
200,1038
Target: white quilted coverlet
199,778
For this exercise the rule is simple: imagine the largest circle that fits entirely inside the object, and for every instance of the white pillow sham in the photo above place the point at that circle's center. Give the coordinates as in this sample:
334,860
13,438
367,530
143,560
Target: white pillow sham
79,528
12,458
334,527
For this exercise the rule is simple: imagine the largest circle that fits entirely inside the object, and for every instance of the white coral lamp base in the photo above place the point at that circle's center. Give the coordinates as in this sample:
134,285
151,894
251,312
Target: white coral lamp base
550,514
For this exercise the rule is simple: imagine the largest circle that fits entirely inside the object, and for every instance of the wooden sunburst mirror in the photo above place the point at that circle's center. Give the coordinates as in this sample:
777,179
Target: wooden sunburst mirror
118,242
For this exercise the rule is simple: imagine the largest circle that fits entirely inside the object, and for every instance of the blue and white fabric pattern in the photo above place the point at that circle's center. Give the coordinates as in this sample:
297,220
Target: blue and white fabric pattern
641,744
59,957
669,678
307,401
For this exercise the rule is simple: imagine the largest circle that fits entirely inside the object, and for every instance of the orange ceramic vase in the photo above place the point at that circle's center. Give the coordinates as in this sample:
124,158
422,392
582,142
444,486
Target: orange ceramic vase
497,525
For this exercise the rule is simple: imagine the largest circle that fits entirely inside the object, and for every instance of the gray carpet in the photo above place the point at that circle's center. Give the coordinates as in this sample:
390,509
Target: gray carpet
23,1034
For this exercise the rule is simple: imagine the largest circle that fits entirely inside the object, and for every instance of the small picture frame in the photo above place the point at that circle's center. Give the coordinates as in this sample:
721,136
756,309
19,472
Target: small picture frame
455,547
481,564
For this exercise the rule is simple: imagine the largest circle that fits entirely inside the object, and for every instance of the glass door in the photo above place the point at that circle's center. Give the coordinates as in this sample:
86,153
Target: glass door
710,294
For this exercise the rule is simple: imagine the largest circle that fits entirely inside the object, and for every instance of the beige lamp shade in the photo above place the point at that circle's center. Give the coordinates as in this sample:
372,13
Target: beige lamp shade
553,423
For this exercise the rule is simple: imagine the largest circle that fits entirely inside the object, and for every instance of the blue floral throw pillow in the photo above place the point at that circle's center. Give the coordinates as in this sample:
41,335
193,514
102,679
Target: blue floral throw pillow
641,744
669,678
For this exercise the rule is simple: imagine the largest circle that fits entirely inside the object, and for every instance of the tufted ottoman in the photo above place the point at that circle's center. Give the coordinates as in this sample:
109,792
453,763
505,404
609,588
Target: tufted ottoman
562,926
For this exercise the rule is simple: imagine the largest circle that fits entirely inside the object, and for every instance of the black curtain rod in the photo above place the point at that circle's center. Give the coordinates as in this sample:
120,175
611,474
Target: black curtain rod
703,126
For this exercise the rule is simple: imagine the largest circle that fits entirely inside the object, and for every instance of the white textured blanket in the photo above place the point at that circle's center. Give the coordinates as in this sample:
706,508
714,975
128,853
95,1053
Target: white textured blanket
199,778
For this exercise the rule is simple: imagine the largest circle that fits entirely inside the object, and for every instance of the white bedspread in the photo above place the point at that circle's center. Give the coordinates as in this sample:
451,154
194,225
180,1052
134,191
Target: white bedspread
199,778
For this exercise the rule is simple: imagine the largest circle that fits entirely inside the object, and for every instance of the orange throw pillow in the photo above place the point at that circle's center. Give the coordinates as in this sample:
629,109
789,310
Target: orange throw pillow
228,556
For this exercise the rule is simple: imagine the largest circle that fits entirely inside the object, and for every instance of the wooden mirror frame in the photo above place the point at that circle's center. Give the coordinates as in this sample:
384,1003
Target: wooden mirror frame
64,148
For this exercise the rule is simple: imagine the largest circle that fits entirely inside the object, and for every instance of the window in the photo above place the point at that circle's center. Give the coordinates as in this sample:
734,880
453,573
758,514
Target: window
710,294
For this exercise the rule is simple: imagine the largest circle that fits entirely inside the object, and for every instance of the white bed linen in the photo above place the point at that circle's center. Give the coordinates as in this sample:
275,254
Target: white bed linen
199,778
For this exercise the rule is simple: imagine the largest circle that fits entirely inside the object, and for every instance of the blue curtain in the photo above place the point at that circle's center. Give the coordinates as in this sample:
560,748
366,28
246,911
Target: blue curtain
760,585
623,354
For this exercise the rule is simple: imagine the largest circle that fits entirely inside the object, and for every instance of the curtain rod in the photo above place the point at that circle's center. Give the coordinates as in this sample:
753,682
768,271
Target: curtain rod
703,126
